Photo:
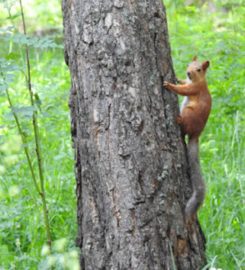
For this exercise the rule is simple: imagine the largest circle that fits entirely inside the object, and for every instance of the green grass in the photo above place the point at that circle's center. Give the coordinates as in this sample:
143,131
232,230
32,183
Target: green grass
193,30
219,38
22,233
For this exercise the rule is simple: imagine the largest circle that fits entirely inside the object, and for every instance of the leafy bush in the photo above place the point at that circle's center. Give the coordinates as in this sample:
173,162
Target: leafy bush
22,229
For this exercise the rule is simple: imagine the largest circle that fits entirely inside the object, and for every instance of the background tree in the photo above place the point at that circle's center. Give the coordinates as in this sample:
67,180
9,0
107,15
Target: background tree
131,169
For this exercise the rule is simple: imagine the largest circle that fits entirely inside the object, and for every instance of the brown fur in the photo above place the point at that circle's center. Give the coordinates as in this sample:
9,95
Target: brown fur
193,118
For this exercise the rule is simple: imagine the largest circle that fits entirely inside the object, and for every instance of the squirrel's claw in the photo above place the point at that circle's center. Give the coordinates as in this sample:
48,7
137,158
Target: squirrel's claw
166,84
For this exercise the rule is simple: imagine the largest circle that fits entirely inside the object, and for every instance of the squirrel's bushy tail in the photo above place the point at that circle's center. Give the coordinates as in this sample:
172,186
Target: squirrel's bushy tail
197,181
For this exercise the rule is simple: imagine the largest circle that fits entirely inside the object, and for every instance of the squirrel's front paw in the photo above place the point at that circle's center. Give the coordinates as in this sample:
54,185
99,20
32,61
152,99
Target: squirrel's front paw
166,85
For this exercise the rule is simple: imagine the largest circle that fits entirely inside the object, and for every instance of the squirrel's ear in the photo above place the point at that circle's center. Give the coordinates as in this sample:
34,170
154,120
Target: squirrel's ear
205,65
194,58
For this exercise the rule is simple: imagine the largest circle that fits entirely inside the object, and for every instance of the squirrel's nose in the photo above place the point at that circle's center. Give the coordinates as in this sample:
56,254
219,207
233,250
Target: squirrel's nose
189,75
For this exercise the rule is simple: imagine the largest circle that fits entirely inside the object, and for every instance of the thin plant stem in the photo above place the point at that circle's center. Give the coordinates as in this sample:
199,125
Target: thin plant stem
23,138
36,135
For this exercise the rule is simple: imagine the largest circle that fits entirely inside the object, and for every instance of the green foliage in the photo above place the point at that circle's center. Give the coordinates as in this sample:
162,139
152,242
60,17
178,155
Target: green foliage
22,229
217,33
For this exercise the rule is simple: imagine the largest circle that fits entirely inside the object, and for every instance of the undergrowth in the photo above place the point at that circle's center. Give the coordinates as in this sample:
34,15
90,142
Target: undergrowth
217,34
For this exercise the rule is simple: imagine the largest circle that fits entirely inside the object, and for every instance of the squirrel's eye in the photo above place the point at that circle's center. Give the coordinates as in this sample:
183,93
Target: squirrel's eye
199,70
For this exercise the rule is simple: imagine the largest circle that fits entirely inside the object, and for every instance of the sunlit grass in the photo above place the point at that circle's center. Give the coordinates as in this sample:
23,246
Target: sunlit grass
218,37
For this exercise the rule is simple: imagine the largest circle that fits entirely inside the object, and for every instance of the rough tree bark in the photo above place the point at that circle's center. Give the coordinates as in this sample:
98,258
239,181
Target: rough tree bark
131,169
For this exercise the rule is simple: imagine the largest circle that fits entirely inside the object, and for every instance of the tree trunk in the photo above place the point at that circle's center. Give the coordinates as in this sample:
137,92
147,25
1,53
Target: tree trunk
131,169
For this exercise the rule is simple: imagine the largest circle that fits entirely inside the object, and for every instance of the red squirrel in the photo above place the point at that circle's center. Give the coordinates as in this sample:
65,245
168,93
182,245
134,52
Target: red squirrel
194,114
